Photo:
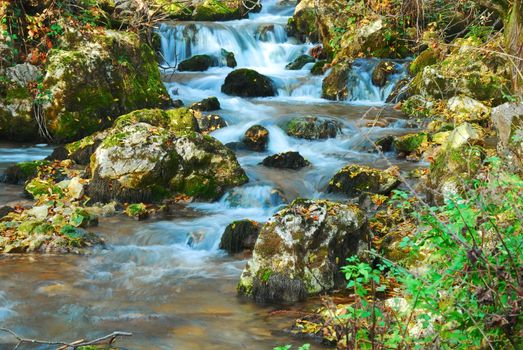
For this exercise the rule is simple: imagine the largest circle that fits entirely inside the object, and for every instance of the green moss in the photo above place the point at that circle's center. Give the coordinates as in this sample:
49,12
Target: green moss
215,10
180,120
424,59
30,169
265,274
196,186
317,69
136,209
411,142
17,93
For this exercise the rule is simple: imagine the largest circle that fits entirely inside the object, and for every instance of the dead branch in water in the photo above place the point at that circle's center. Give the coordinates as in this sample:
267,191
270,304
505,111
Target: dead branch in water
106,339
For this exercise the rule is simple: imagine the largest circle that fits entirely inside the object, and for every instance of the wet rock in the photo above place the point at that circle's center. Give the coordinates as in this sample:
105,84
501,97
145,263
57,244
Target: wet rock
6,210
197,63
410,142
354,180
256,138
312,128
299,62
211,122
239,236
287,160
382,72
466,109
300,249
317,68
93,81
385,143
151,154
207,104
400,92
248,83
228,58
508,121
19,173
318,53
334,86
265,32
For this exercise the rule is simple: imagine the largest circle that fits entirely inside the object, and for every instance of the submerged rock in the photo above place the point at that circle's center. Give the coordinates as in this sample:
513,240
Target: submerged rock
312,128
287,160
239,236
300,249
354,180
256,138
197,63
299,62
206,105
248,83
334,86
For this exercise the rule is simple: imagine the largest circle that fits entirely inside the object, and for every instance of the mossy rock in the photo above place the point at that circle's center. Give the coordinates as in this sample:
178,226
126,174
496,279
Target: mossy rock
248,83
299,250
21,172
206,105
197,63
317,68
354,180
382,71
410,142
179,120
286,160
424,59
312,128
334,86
239,236
216,10
256,138
299,62
93,81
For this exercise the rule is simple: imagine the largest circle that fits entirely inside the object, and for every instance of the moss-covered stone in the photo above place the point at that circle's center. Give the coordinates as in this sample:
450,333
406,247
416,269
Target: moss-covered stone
317,68
424,59
92,81
334,86
312,128
240,235
299,62
353,180
299,250
256,138
410,142
197,63
21,172
248,83
216,10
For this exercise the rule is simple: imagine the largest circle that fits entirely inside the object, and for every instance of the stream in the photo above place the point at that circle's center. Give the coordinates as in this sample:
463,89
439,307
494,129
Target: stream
153,278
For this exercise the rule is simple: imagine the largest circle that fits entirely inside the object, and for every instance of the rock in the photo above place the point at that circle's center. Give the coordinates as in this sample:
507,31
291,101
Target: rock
382,71
299,62
312,128
410,142
228,58
465,134
19,173
138,211
265,32
300,249
6,210
466,109
256,138
466,71
417,106
209,123
424,59
248,83
334,86
318,53
139,162
400,92
385,143
92,82
317,68
240,235
215,10
23,74
197,63
76,188
207,104
303,24
17,120
508,121
287,160
354,180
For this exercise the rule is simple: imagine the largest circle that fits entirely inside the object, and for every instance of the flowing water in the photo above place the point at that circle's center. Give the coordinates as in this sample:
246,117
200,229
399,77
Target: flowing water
166,281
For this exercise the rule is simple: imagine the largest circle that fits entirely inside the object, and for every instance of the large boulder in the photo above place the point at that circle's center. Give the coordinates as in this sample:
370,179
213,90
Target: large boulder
467,70
299,251
256,138
286,160
248,83
334,86
239,236
90,82
508,121
149,155
197,63
354,180
312,128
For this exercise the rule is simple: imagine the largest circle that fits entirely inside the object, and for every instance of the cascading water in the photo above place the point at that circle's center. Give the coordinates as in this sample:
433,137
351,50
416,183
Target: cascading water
166,280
